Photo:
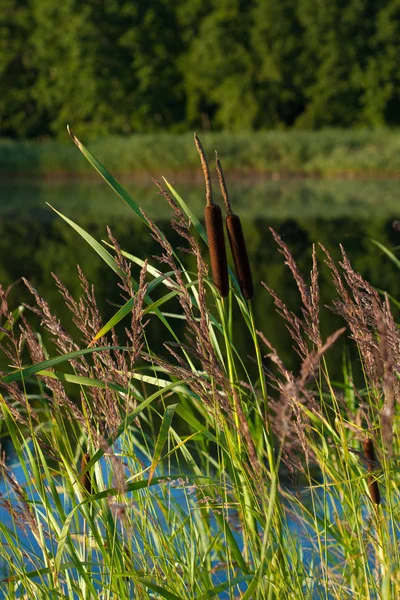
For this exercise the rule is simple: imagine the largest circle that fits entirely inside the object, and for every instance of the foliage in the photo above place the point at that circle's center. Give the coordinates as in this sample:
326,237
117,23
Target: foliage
118,67
325,153
93,507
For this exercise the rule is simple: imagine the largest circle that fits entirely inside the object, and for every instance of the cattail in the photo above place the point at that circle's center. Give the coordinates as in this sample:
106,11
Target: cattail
236,240
215,230
85,478
369,454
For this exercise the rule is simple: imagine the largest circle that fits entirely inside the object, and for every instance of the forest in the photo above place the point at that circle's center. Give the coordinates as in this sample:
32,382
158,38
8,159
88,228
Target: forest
120,67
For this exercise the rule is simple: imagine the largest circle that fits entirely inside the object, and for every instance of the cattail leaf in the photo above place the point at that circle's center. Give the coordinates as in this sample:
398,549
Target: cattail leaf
162,437
56,360
108,178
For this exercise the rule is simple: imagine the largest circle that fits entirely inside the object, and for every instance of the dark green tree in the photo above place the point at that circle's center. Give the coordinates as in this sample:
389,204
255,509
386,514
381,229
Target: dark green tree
219,68
19,113
278,50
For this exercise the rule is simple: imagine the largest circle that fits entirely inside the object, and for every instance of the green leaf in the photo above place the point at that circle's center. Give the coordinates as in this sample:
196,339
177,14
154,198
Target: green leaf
129,419
162,437
102,252
63,538
390,254
188,212
106,256
108,178
16,315
224,586
81,380
119,315
139,485
47,364
156,588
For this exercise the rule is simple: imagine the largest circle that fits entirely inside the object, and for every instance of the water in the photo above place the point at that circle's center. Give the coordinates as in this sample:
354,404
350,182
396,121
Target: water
34,241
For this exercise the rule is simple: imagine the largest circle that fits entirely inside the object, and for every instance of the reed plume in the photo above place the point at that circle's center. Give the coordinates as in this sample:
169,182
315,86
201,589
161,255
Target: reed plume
236,240
369,453
215,230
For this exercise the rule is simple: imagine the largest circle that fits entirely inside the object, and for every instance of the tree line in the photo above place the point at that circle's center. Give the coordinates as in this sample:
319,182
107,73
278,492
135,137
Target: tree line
125,66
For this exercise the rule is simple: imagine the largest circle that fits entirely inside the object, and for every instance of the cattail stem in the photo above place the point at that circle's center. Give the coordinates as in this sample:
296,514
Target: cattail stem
236,240
369,453
215,230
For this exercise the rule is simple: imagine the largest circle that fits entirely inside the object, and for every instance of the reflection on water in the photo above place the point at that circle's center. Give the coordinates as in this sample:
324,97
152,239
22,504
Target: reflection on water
34,241
290,199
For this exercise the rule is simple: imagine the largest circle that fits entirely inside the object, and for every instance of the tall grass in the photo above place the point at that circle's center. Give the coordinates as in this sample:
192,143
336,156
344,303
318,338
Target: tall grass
179,475
326,153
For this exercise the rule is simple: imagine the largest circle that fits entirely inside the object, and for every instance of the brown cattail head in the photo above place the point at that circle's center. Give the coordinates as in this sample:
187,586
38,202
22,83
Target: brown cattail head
85,478
236,240
215,230
369,453
216,243
240,256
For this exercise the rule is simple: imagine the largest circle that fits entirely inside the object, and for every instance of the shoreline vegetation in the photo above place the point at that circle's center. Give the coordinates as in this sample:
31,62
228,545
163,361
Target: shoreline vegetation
163,474
329,153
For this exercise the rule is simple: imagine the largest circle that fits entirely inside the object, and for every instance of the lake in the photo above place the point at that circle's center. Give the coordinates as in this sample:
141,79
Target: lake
35,241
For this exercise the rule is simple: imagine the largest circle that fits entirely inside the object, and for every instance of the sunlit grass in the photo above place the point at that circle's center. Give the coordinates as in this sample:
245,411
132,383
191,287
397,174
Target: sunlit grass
183,490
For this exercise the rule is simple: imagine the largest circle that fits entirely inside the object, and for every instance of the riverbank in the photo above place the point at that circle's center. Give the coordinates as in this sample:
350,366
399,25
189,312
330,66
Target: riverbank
267,154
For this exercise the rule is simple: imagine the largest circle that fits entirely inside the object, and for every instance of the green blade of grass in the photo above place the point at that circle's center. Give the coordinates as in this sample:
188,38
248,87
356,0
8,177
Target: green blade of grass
106,256
15,316
162,437
156,588
102,252
56,360
129,419
188,212
223,587
108,178
85,381
386,251
139,485
119,315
